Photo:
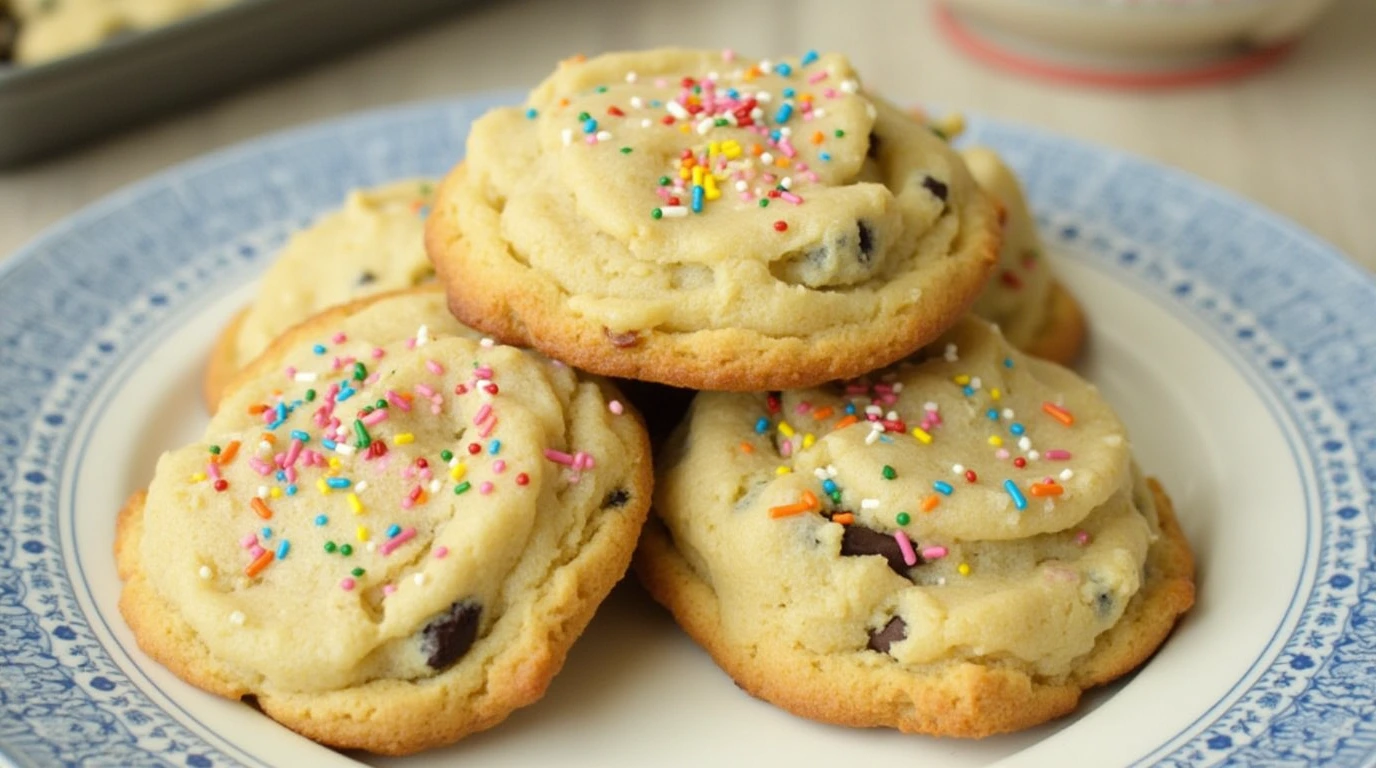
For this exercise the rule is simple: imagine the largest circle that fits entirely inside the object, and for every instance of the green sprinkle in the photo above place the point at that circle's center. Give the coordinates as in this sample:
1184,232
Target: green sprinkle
835,496
379,405
310,395
446,454
360,373
357,572
657,214
764,202
462,488
889,473
330,546
663,181
601,89
625,150
361,432
215,449
721,121
903,518
346,549
584,117
840,133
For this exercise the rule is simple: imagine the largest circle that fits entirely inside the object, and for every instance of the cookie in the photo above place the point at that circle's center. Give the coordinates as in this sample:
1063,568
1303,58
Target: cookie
958,545
1036,313
52,29
705,221
374,243
392,530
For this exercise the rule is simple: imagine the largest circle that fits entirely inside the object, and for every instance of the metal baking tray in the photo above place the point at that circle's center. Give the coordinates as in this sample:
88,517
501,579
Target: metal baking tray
48,107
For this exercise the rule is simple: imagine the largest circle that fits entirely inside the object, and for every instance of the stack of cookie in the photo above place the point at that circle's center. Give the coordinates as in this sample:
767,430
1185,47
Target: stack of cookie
877,511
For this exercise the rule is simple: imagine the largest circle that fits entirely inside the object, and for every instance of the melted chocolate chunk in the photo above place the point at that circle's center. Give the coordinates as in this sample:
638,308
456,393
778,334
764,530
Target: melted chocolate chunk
446,639
859,541
616,498
365,277
622,340
873,149
935,187
866,242
881,639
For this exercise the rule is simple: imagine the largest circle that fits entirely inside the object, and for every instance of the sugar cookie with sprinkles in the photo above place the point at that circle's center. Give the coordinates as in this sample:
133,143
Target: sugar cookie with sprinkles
392,530
703,220
373,243
958,545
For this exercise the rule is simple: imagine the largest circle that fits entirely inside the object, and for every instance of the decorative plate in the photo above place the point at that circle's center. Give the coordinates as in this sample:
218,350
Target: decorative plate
1239,349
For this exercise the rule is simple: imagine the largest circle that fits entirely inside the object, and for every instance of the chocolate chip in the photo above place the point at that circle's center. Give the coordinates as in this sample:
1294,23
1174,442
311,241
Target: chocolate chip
859,541
622,340
935,187
616,498
881,639
866,242
366,277
1103,604
446,639
873,149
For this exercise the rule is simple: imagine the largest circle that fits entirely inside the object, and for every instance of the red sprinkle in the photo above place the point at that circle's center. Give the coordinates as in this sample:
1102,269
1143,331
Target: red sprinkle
422,463
523,479
474,449
1020,462
221,485
461,389
491,389
613,110
781,226
970,476
667,119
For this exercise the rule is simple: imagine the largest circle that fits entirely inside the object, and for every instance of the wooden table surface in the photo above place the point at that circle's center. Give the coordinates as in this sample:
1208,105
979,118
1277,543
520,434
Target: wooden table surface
1296,138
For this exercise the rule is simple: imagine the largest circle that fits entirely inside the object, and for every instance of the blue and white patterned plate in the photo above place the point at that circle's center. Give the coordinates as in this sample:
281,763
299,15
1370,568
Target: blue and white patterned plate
1240,350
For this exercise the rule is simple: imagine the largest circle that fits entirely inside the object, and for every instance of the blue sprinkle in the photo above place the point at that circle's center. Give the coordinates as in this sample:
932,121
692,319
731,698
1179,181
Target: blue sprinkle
733,93
297,434
783,69
291,489
789,93
344,394
337,482
1019,500
850,409
393,530
267,532
993,414
330,444
776,134
494,447
785,112
825,156
1016,428
281,411
281,476
321,520
697,198
829,485
274,424
318,349
885,439
590,126
532,113
1007,362
808,58
283,548
656,103
968,390
943,487
762,426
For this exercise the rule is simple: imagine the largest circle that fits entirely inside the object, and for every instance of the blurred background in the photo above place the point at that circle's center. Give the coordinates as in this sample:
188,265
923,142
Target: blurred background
1245,93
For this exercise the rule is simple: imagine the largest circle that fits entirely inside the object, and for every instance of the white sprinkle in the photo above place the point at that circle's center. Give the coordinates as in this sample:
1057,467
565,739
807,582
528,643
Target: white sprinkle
434,486
677,110
262,492
764,97
1033,455
306,377
730,118
757,114
870,111
713,75
941,582
1113,440
897,387
958,469
567,136
819,113
820,473
831,470
786,182
1066,474
1024,443
891,415
705,125
767,158
674,211
487,342
873,410
1007,414
766,66
869,503
237,618
849,86
264,446
371,546
604,135
204,573
741,186
646,123
785,131
929,406
873,436
951,354
630,77
637,102
419,579
344,448
361,486
976,383
422,335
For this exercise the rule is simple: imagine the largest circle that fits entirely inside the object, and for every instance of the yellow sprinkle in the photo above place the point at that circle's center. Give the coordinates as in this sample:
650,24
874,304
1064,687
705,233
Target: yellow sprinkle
320,483
355,504
809,439
713,148
404,438
995,440
962,379
682,127
963,569
697,174
457,471
334,462
199,477
731,149
275,493
922,435
786,429
951,125
685,174
362,533
782,470
995,394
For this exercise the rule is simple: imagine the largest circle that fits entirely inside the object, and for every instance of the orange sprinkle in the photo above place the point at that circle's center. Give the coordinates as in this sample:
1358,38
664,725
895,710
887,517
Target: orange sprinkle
579,58
269,438
747,447
844,518
1046,489
259,563
846,422
1058,413
807,504
228,454
822,413
563,102
261,508
256,409
929,503
818,137
807,97
782,162
756,150
752,73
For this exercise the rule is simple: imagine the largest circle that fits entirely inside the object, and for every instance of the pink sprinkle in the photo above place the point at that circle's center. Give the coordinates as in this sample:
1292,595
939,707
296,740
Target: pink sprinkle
396,541
280,459
857,389
802,407
212,469
811,176
388,589
582,461
786,449
616,407
790,197
906,547
269,416
487,428
1001,453
411,343
259,466
934,553
291,372
482,414
559,457
293,452
498,467
728,55
376,417
830,93
340,338
1082,538
425,391
347,584
254,551
434,367
249,540
441,552
372,378
398,400
483,372
1057,454
290,474
485,488
378,352
817,77
786,148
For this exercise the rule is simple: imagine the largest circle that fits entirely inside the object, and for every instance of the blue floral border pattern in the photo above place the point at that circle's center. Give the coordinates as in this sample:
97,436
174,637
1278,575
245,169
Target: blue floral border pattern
77,300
